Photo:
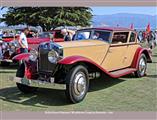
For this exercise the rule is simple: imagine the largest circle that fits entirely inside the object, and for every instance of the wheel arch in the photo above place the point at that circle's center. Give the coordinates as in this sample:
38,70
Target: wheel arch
137,55
79,60
148,56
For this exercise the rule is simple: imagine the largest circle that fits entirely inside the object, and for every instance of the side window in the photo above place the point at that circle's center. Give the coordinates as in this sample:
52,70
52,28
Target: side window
132,37
101,35
120,37
83,35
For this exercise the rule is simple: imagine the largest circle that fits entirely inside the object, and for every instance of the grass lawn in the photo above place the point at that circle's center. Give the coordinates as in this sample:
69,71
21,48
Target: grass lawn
106,94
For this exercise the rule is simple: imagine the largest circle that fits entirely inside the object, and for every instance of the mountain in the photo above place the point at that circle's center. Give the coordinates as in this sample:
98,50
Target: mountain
125,20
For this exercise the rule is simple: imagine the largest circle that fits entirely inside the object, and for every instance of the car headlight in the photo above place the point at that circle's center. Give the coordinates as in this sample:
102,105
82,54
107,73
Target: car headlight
53,56
34,55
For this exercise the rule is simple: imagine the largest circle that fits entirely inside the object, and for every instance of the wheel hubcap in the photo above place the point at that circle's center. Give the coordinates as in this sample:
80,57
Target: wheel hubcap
80,84
142,65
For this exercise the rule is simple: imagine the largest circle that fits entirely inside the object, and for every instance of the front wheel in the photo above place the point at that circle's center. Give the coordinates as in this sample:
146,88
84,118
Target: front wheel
142,66
77,84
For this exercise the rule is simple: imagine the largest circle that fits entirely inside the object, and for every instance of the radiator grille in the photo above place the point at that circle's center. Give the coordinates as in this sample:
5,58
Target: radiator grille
43,64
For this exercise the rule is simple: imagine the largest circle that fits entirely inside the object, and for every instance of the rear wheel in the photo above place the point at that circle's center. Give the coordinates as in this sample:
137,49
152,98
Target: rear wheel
142,66
77,84
23,88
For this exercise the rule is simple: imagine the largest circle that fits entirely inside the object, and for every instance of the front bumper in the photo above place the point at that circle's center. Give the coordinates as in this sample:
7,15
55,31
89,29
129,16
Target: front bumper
38,83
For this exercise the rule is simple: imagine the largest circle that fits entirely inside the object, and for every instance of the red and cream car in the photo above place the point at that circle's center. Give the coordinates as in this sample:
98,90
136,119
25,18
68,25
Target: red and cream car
114,52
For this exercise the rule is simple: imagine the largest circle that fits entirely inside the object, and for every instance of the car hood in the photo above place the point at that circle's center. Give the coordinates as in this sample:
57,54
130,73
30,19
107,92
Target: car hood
83,43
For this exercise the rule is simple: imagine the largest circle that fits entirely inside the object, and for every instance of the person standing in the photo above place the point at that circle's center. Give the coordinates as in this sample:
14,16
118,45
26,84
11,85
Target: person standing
155,37
68,34
23,41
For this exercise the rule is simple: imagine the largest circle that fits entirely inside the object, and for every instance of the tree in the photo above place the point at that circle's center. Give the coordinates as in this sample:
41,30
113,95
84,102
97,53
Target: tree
48,17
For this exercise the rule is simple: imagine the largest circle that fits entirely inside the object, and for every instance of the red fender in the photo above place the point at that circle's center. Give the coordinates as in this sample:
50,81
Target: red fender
31,70
75,59
137,55
23,56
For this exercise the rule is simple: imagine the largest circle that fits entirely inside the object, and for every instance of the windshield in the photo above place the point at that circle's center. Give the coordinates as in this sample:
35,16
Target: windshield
93,34
83,35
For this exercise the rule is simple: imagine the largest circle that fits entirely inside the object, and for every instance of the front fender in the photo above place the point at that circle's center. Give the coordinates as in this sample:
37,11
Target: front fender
76,59
23,56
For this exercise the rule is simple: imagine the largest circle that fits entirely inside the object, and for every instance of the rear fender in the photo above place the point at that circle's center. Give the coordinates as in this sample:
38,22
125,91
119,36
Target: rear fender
137,55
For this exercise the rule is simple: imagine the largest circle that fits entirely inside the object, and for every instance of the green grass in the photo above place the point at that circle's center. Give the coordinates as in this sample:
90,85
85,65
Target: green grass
106,94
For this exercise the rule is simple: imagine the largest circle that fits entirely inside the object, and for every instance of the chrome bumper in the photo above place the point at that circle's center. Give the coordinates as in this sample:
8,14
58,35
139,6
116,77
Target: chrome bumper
37,83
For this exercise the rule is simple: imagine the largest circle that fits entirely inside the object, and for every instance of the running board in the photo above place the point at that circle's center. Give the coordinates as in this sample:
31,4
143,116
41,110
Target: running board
122,72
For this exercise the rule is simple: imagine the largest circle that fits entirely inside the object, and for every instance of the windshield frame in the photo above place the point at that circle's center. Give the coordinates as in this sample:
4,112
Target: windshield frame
92,34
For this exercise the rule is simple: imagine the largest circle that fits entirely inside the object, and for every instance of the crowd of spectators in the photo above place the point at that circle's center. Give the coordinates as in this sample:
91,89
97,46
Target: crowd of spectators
150,38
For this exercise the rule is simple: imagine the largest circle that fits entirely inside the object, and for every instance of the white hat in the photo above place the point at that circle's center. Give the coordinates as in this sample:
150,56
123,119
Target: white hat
64,30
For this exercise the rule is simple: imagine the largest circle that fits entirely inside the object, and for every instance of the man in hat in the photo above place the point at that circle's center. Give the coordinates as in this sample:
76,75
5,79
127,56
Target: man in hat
68,34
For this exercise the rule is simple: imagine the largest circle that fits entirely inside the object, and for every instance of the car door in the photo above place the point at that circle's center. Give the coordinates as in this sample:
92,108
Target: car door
131,48
116,55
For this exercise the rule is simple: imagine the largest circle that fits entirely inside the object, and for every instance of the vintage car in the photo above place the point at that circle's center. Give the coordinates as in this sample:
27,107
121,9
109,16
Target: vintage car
9,46
114,52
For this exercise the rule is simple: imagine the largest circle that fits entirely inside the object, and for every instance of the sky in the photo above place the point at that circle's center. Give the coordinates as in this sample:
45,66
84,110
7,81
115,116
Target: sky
114,10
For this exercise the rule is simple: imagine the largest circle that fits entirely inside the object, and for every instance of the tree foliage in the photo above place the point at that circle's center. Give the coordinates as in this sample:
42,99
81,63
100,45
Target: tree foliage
48,17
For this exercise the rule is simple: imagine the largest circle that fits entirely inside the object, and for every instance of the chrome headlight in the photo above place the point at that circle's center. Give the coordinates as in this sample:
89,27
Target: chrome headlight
53,56
34,55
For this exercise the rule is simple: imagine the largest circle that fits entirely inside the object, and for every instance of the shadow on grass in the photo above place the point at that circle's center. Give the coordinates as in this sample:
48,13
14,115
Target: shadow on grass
42,97
103,83
154,55
10,67
50,97
152,76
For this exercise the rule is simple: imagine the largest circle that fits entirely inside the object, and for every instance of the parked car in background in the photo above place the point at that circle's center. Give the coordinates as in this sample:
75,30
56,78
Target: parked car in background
9,45
114,52
57,36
